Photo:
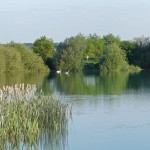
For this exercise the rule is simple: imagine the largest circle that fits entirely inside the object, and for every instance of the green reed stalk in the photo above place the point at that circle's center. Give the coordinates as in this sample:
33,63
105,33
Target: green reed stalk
24,119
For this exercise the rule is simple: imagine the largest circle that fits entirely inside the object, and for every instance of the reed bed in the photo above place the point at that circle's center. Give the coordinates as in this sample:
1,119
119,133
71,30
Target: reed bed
25,113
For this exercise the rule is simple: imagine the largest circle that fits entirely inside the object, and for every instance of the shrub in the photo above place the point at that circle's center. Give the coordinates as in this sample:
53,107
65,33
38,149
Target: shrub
113,58
30,61
2,60
10,60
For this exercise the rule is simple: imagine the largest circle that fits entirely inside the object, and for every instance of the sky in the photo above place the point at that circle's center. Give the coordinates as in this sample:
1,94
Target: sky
26,20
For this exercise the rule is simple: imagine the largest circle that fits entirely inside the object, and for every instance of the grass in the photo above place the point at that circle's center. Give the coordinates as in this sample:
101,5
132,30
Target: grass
25,113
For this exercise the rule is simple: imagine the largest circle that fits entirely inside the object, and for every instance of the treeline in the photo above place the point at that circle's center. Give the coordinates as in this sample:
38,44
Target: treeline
107,53
20,58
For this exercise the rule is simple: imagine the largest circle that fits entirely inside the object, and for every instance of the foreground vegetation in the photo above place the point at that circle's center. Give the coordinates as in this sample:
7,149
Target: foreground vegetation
25,114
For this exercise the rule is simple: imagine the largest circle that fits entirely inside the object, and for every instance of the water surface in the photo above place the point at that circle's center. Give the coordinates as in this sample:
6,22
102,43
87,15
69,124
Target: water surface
110,111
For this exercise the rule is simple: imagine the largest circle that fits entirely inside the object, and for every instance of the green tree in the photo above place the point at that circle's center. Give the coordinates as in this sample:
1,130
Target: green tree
113,58
2,59
111,39
128,47
13,60
95,45
10,59
70,53
141,53
44,47
30,61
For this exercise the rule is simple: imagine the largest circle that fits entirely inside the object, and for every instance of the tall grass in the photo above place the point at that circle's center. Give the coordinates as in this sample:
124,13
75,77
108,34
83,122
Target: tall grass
25,113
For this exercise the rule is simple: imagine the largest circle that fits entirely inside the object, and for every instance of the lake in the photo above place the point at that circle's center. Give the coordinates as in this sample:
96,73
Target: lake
109,111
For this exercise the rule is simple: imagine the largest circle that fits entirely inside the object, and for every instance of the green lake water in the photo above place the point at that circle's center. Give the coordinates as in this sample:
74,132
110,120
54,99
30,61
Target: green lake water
109,111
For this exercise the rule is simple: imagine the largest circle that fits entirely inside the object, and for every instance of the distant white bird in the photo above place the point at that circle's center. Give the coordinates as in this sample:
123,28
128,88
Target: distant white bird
58,71
67,72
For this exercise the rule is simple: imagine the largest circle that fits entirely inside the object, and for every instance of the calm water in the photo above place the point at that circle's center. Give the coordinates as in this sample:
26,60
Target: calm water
110,112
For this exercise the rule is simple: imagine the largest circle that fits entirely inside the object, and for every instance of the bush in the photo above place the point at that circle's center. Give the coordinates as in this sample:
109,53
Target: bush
2,60
10,60
113,58
13,60
30,61
70,53
44,47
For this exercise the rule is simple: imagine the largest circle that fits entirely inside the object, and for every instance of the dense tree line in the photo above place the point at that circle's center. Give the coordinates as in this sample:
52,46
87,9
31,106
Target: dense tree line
107,53
76,53
20,58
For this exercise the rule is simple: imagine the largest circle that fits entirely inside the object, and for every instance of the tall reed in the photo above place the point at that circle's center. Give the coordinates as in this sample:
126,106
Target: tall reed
25,113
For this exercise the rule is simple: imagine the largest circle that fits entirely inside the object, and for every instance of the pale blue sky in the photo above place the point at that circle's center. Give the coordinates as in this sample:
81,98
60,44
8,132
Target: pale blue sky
27,20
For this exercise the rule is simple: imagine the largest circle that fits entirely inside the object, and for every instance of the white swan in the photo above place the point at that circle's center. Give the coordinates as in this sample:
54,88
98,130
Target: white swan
58,71
67,72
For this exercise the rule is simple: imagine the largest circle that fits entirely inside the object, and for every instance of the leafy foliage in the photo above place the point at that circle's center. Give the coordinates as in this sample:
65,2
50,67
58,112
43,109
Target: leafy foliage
44,47
2,59
141,53
10,60
110,39
128,47
79,52
70,53
13,60
95,45
113,58
18,57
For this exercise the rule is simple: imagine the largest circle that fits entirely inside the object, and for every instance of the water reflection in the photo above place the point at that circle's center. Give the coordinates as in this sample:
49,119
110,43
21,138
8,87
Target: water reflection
139,81
107,94
90,84
47,140
28,78
13,78
98,83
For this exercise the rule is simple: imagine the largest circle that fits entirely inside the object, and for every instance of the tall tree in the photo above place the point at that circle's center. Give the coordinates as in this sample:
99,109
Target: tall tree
128,47
70,53
141,54
44,47
113,58
95,45
111,39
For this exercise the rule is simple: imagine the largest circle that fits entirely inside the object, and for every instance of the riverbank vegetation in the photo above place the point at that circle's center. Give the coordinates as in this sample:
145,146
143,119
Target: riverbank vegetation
105,53
20,58
25,114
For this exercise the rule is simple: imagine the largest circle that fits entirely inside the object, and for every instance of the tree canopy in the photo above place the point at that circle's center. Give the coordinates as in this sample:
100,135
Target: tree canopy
44,47
113,58
70,53
95,46
78,52
18,57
